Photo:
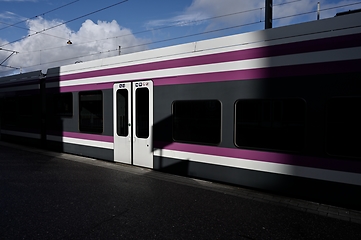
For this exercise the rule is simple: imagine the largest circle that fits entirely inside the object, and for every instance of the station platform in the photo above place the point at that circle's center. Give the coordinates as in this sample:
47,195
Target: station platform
48,195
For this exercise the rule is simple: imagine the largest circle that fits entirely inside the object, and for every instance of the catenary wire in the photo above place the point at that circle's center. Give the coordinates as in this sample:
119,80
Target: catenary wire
42,14
74,19
165,27
322,10
280,4
172,25
34,31
178,24
191,35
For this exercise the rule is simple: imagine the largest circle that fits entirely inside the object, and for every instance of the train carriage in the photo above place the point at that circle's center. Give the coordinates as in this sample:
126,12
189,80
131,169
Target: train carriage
275,109
21,113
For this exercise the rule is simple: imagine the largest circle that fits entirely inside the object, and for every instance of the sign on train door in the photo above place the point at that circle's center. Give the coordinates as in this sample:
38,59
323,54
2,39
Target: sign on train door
133,121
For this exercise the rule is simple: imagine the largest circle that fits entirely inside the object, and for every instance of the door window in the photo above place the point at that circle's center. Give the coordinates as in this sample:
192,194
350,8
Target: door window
142,112
122,112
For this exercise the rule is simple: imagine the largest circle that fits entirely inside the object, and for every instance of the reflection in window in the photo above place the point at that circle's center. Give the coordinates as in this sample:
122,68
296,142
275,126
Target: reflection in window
9,111
277,124
343,126
142,112
63,104
197,121
26,104
122,112
91,112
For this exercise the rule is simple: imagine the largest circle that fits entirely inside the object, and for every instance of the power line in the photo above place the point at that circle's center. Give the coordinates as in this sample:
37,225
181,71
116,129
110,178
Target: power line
280,4
175,25
190,35
85,15
144,44
322,10
42,14
36,32
161,28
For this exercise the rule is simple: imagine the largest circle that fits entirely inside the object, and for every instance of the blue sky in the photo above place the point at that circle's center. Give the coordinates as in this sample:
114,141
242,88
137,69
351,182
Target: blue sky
38,30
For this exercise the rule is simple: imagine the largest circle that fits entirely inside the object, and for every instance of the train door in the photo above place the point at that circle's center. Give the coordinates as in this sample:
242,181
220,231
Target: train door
133,121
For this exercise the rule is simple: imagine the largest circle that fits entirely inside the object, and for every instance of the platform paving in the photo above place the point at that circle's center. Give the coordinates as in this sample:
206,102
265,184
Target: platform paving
47,195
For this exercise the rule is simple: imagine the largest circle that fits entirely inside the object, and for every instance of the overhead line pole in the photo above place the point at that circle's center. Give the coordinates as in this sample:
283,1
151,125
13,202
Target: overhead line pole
318,11
268,14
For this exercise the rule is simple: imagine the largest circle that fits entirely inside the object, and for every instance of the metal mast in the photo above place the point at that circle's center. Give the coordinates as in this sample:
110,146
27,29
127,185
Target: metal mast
268,14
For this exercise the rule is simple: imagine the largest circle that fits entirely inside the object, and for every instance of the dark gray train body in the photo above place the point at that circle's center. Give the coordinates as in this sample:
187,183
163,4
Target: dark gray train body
275,110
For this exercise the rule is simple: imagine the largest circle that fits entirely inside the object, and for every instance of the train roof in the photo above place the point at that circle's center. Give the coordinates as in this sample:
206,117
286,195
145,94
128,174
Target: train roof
274,36
23,77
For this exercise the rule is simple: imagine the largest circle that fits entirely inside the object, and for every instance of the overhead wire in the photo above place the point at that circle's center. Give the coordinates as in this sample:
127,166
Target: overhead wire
63,23
284,3
155,29
176,25
190,35
164,27
42,14
33,31
15,25
169,39
42,32
321,10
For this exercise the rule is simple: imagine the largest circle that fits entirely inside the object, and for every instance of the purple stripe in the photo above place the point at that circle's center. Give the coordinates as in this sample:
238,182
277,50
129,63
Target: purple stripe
259,73
87,87
85,136
271,51
281,158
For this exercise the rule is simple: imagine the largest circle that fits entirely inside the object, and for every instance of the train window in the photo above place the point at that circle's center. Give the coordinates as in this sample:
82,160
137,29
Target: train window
10,111
26,104
91,111
142,112
122,112
277,124
343,126
63,104
197,121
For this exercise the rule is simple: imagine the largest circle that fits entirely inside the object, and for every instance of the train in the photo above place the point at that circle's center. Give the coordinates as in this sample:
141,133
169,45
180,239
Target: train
274,109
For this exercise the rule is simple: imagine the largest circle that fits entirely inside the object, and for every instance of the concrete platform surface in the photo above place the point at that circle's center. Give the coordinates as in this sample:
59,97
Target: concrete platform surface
47,195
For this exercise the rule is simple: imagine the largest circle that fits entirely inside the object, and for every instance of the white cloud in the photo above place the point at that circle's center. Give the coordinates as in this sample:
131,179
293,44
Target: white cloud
250,11
8,15
47,49
42,51
203,9
295,10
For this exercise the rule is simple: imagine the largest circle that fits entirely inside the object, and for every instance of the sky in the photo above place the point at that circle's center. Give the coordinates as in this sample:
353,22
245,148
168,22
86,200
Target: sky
34,34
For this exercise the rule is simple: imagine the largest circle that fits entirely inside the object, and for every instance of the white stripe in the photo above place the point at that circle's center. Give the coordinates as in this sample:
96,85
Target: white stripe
271,37
83,142
299,171
296,59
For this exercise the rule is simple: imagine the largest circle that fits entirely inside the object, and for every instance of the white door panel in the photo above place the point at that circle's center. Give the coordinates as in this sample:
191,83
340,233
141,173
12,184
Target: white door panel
122,122
133,121
143,122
